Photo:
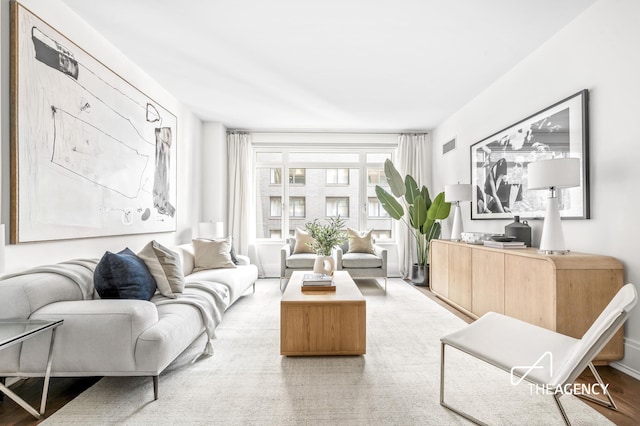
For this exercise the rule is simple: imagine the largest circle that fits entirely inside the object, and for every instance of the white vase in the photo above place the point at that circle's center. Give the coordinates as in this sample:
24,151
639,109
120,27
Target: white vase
324,265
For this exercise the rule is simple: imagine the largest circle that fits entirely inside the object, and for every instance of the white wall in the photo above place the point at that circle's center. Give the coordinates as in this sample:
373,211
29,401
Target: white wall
189,139
599,51
214,173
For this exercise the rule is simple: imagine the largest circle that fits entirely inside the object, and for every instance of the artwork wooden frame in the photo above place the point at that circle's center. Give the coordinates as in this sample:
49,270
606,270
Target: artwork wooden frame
91,155
499,163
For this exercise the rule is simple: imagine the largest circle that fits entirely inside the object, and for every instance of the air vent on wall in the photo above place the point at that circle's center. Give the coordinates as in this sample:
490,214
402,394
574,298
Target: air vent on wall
449,146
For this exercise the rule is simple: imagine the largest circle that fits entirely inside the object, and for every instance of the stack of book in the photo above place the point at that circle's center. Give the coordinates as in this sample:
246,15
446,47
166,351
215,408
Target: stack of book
505,244
317,282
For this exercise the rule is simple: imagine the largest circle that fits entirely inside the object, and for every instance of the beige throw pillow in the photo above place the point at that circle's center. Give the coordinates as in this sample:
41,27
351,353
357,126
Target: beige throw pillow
166,268
212,254
303,240
360,242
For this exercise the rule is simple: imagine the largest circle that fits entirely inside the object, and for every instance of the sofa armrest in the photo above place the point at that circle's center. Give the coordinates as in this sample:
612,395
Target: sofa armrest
337,252
381,252
243,260
96,336
285,251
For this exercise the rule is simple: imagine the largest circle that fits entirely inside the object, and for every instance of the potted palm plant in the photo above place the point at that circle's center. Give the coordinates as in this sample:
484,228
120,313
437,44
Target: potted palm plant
420,214
325,238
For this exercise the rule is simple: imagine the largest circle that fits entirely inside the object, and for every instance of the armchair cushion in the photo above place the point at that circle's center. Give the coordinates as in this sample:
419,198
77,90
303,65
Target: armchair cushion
360,242
301,261
361,260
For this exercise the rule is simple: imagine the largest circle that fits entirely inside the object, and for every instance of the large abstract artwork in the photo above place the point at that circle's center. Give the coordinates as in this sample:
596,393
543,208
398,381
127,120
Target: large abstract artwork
91,154
499,163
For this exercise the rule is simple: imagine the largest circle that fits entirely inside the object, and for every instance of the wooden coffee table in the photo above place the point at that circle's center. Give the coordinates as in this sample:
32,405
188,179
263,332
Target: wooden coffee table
323,322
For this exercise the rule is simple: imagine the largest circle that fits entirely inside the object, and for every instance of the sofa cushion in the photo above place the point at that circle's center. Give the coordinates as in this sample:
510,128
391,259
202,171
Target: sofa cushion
303,242
301,261
212,254
360,242
165,266
361,260
123,275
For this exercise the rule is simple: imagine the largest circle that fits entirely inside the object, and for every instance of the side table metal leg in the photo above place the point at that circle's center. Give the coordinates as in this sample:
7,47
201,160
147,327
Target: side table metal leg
47,374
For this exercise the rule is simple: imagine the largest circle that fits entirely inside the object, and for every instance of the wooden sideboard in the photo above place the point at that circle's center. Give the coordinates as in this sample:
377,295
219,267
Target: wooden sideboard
564,293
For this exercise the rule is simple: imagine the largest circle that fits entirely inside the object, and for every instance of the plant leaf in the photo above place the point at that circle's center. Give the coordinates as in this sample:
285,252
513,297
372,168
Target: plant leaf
425,194
411,188
439,208
389,203
418,213
396,184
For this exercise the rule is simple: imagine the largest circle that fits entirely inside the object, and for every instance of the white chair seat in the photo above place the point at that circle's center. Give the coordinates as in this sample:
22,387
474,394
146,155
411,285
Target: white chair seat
507,342
361,260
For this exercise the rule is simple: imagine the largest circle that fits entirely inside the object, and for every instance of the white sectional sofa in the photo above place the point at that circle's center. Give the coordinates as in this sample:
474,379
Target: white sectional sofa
113,337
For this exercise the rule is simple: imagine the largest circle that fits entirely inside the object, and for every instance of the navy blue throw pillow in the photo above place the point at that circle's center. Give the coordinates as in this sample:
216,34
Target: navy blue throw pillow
123,275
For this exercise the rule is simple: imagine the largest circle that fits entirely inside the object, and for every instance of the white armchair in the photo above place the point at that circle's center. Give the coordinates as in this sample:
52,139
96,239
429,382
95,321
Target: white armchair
520,348
363,265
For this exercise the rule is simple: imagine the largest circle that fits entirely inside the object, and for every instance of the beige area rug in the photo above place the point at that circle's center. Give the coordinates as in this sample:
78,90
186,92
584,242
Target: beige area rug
247,382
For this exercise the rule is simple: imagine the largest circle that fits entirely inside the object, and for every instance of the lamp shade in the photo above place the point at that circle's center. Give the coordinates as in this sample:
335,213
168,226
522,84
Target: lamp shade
556,173
457,192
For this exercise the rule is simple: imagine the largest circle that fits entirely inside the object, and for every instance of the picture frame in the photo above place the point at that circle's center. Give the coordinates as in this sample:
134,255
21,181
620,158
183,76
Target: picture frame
499,163
91,154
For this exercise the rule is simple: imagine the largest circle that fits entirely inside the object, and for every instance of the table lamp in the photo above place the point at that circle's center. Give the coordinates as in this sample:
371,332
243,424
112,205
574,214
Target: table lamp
553,175
454,194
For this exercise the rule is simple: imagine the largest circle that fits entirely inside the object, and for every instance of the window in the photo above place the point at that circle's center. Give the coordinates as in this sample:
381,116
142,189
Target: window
295,185
338,176
376,176
297,176
375,209
297,207
276,207
381,234
276,176
337,206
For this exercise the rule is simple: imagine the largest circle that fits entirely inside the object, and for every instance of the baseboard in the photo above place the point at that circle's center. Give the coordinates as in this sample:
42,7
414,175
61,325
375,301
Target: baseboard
630,364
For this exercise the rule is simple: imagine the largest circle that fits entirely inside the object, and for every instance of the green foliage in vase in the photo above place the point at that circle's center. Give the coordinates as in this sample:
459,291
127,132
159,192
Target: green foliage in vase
327,236
422,215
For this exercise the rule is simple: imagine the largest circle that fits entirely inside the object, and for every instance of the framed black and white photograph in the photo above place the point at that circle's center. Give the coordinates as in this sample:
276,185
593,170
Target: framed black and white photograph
499,163
92,155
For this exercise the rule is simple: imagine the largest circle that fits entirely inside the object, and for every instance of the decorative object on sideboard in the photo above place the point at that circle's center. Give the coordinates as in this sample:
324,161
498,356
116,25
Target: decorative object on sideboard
211,230
454,194
422,215
499,162
553,175
520,230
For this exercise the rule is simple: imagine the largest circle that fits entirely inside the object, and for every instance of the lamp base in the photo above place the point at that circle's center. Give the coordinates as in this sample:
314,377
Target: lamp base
552,240
456,231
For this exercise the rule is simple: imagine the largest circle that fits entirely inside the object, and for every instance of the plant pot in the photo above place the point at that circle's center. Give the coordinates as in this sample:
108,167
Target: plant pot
420,275
324,265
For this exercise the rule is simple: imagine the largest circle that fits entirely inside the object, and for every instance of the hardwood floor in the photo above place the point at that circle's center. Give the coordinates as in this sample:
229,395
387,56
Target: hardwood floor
624,389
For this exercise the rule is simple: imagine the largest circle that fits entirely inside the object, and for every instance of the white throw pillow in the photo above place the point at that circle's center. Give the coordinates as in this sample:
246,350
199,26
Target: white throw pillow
360,242
212,254
165,267
303,242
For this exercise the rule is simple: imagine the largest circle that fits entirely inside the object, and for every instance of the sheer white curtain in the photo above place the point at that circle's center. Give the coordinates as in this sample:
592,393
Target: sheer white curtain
412,158
241,206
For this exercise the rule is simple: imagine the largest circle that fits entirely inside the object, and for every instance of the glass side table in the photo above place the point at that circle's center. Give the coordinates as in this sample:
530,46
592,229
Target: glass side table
16,331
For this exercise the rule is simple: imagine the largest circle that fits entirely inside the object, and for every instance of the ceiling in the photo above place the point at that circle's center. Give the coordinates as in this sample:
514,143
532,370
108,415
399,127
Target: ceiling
332,65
